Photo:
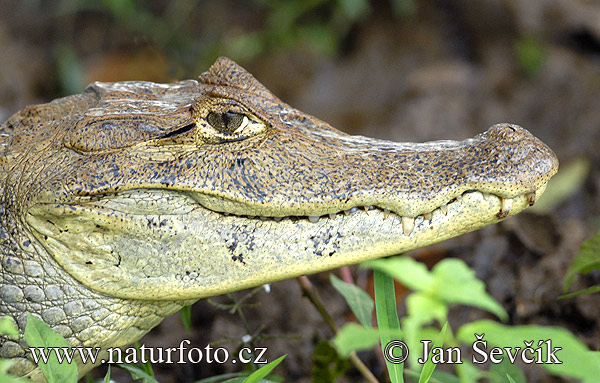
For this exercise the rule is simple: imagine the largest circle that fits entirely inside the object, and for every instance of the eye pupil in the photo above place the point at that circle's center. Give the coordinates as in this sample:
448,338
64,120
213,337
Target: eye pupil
225,122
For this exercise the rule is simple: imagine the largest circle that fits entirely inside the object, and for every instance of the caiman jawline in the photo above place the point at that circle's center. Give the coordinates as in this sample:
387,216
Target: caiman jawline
407,222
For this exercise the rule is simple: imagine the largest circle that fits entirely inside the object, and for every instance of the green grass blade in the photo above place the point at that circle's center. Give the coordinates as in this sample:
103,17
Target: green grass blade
138,373
265,370
387,318
429,366
186,317
223,378
107,376
146,367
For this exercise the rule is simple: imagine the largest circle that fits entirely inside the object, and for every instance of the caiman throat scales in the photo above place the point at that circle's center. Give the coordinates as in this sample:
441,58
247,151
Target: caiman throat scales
126,202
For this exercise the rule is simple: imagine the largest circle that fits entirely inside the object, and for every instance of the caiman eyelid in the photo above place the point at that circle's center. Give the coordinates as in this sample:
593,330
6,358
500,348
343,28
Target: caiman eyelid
179,131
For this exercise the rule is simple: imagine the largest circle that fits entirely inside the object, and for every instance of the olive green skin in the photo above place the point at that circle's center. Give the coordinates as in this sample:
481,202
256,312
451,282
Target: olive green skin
124,203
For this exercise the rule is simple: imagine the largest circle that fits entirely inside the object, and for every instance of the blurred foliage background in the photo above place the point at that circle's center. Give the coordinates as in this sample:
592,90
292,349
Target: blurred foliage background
162,40
407,70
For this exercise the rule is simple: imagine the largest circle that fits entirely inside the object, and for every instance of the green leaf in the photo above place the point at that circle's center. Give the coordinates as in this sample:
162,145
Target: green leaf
500,371
429,366
186,317
510,379
587,260
404,8
589,290
359,301
467,373
5,377
70,69
387,318
354,9
424,308
443,377
577,360
120,8
450,281
38,334
530,55
328,365
138,373
265,370
224,378
411,273
456,283
147,366
353,337
107,376
8,326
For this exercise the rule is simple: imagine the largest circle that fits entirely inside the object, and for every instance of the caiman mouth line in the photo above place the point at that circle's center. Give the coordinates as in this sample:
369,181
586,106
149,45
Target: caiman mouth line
407,222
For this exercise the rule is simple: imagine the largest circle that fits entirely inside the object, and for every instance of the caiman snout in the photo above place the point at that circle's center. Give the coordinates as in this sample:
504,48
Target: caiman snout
518,162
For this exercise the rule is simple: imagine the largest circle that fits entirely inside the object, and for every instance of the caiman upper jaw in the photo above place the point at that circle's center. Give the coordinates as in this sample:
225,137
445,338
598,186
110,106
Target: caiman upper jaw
406,179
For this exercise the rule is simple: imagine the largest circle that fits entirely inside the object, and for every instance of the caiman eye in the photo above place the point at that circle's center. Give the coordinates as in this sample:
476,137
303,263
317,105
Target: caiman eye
227,123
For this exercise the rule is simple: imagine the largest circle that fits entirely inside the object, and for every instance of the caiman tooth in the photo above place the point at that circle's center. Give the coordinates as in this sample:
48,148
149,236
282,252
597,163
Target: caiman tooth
386,213
531,198
313,219
331,215
351,210
444,209
408,224
366,209
428,216
505,206
277,219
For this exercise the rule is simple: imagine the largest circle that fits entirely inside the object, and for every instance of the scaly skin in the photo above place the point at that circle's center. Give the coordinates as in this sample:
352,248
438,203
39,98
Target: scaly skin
123,204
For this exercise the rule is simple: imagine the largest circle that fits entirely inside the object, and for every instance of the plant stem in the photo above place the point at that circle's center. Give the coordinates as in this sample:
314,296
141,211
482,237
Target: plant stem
311,293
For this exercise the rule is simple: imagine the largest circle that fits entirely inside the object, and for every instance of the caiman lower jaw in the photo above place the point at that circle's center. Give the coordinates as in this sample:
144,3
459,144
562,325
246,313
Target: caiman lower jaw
169,247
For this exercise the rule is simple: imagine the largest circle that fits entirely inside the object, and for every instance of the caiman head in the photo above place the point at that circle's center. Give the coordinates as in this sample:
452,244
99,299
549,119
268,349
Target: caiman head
166,192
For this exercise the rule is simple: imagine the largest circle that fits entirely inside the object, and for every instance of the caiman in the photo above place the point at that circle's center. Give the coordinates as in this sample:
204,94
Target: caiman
125,203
